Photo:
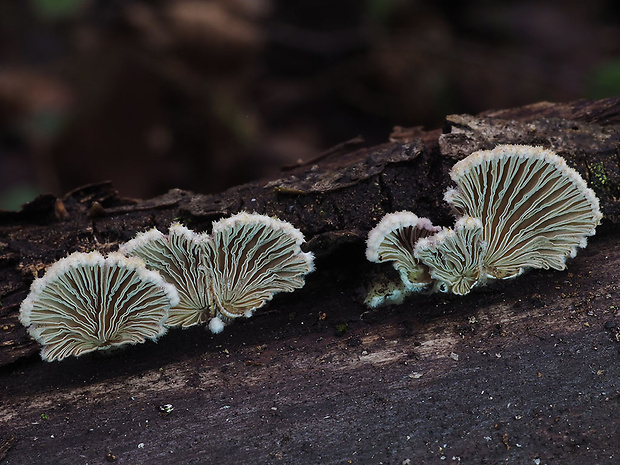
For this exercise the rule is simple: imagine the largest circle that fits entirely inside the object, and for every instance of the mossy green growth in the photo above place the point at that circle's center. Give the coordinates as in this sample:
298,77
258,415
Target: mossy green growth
341,328
599,174
184,220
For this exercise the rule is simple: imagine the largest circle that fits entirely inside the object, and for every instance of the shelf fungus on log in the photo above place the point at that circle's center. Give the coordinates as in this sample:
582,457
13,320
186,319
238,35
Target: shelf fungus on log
393,240
518,207
535,210
179,260
455,256
87,302
226,274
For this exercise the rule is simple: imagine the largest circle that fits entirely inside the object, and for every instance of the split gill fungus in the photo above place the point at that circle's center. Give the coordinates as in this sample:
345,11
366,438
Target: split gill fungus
455,256
226,274
518,207
87,302
393,240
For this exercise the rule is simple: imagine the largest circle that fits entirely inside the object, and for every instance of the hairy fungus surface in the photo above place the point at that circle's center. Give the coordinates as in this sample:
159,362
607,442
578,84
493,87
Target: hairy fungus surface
87,302
455,256
535,210
229,273
394,239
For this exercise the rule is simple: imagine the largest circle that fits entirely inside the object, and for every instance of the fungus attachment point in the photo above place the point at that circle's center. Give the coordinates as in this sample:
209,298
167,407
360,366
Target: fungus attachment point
382,291
226,274
535,210
394,239
455,256
86,302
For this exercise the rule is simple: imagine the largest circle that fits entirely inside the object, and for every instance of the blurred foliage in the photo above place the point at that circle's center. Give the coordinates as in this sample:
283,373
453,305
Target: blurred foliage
202,95
14,197
605,80
46,123
57,9
379,12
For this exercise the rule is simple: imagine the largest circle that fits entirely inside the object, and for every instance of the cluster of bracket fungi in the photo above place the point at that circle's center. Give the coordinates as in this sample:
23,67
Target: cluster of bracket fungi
517,207
87,302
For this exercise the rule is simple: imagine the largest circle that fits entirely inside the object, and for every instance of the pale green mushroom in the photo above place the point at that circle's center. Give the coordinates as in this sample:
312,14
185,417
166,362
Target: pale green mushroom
87,302
535,210
455,256
179,258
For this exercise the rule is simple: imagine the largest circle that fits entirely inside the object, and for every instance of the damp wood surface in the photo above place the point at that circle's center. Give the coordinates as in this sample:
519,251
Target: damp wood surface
521,371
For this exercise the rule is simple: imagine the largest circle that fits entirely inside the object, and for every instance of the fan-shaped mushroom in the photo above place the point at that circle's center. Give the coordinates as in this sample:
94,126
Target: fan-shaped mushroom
394,239
535,210
251,258
455,256
86,302
180,259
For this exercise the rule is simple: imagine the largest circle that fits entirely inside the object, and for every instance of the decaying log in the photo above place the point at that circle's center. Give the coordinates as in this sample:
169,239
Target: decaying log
375,363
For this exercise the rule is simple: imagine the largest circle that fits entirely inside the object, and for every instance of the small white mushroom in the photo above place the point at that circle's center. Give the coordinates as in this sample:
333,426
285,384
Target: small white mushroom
455,256
86,302
535,210
226,274
394,239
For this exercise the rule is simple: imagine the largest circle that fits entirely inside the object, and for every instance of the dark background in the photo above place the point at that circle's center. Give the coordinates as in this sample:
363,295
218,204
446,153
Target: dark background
202,95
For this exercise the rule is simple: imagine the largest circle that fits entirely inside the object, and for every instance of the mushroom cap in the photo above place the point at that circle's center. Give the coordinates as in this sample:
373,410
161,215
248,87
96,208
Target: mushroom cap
394,239
86,302
251,258
455,256
535,210
179,258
